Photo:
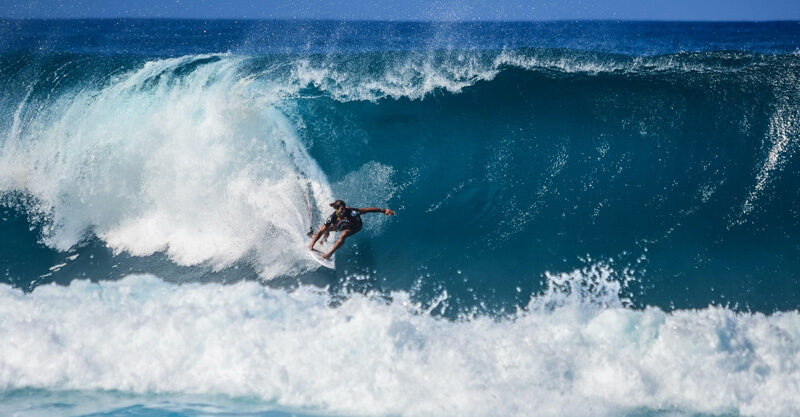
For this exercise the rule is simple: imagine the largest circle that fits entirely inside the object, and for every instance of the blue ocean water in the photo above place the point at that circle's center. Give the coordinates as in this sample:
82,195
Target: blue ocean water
593,218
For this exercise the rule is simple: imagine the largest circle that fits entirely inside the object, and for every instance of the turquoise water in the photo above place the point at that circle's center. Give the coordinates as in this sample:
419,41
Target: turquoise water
593,218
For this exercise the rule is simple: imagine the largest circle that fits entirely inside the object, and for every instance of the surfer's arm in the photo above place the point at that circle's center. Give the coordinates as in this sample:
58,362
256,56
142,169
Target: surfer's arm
376,210
323,229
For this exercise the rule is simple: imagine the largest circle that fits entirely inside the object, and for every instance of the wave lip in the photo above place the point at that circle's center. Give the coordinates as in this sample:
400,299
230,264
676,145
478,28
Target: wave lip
373,357
416,75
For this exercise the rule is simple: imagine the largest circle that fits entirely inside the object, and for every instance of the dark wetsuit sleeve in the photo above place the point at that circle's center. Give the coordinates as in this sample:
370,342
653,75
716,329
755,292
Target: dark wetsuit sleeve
331,220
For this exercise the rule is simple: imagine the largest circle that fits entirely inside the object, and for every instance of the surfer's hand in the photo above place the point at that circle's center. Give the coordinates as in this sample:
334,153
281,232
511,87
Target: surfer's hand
388,212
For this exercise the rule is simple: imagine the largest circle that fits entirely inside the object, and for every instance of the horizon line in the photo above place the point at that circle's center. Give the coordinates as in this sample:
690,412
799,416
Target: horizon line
361,20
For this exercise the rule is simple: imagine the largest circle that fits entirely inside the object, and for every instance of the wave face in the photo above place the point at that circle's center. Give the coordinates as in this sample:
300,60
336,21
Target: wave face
590,216
502,164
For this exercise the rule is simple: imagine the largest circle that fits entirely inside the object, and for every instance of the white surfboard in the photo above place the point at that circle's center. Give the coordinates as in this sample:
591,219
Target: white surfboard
317,256
326,246
327,263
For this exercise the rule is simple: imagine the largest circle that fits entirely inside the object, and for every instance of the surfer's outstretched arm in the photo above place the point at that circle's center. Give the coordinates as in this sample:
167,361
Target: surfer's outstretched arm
376,210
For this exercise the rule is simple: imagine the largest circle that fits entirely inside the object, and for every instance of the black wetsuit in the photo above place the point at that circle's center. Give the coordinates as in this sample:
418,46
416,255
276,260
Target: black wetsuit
350,220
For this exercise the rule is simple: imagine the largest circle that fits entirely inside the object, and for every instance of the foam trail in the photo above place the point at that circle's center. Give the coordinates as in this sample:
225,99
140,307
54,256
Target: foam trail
180,156
372,357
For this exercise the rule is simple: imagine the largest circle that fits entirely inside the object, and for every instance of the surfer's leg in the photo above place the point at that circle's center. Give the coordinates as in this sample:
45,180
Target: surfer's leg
339,242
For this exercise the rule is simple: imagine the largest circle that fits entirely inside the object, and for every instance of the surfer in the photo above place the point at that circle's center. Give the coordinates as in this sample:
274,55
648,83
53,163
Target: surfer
346,220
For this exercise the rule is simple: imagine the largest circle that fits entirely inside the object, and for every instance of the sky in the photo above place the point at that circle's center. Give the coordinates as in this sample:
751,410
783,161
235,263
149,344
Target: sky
448,10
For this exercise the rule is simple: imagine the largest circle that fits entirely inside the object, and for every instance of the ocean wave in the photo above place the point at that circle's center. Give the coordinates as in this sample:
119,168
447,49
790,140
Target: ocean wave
211,159
390,356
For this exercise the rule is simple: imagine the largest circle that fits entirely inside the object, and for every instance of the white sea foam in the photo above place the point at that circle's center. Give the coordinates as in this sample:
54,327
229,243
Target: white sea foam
169,157
565,355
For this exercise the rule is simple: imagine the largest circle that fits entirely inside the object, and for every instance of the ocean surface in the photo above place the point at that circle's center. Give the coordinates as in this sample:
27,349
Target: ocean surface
593,218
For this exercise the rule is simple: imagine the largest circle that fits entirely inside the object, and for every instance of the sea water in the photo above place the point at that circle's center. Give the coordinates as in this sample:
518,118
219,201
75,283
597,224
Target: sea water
593,218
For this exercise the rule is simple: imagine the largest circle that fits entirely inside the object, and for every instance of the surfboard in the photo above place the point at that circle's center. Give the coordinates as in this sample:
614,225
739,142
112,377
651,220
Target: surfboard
317,256
325,245
327,263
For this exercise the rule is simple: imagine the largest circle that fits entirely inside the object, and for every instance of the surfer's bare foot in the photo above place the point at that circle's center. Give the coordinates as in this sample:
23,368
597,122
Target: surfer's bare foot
310,247
327,256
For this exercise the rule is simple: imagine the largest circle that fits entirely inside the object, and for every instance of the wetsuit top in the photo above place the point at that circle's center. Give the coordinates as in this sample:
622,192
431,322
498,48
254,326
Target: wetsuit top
350,219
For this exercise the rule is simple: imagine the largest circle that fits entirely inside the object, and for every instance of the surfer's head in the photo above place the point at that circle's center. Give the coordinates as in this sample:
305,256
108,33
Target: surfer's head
338,205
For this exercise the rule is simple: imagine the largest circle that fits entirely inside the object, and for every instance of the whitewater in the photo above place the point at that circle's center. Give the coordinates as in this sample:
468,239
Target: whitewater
560,356
599,225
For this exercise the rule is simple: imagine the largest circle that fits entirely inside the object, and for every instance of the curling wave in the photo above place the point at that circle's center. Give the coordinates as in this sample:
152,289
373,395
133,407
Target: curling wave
215,159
